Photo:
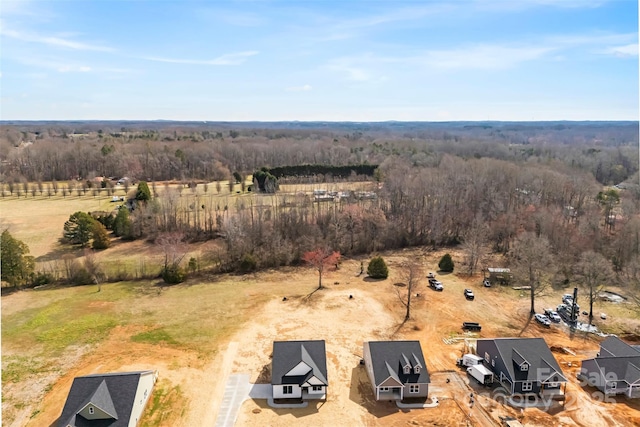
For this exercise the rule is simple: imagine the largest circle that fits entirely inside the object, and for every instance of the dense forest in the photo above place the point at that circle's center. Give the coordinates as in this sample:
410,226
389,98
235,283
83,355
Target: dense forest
477,185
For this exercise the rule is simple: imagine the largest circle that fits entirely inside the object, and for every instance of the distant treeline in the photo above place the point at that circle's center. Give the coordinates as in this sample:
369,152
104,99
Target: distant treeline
310,170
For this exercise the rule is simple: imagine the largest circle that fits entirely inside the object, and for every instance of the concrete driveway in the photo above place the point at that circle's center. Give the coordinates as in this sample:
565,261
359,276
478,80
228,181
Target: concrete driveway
236,391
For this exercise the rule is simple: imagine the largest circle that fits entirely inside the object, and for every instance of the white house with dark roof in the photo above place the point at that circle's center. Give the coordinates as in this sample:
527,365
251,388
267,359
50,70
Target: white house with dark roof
397,369
615,370
107,400
524,366
299,370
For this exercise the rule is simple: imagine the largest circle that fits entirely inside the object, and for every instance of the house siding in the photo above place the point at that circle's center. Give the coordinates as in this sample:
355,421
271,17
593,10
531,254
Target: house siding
278,392
517,387
424,391
488,346
369,365
143,393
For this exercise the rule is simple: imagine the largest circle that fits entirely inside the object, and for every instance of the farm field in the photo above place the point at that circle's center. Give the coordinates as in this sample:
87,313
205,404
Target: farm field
197,333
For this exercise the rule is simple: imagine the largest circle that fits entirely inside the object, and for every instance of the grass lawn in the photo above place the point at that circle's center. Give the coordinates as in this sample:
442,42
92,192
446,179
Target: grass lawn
46,333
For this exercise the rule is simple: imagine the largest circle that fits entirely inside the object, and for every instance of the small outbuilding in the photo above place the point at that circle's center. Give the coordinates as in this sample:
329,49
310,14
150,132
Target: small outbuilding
498,275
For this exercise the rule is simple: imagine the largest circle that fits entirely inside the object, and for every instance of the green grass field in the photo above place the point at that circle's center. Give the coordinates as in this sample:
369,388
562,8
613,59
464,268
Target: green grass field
40,328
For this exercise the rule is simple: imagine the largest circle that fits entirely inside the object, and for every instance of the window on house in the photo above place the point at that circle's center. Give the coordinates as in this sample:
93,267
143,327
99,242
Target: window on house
493,362
91,410
524,367
316,388
414,388
613,385
553,385
407,369
527,386
287,389
384,388
487,357
416,369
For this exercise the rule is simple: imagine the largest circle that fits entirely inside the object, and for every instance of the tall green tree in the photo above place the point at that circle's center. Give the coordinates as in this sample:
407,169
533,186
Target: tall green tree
122,223
78,229
143,193
17,266
100,236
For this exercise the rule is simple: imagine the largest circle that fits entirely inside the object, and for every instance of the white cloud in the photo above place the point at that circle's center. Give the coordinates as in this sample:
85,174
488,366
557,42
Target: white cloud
304,88
55,41
487,57
227,59
624,51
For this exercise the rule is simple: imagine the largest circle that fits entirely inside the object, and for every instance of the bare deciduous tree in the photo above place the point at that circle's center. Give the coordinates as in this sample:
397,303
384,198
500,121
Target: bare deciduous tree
533,263
411,274
593,272
474,244
94,268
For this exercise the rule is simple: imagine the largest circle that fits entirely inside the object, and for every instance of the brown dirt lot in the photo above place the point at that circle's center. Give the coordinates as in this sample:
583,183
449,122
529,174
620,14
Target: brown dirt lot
191,381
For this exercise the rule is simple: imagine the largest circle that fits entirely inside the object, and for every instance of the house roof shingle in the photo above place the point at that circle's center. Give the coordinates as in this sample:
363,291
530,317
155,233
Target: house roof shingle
388,358
614,346
113,393
542,365
288,354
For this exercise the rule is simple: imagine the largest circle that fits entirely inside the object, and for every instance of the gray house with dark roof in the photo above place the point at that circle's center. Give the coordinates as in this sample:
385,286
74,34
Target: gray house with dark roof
299,370
615,370
397,369
107,400
524,366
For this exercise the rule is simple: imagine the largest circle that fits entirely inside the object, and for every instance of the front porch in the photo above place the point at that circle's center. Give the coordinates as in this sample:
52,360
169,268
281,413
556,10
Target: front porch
392,394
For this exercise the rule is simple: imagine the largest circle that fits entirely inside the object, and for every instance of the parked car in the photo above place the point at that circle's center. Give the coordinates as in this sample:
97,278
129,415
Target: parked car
552,315
543,320
567,299
431,275
468,294
486,283
436,285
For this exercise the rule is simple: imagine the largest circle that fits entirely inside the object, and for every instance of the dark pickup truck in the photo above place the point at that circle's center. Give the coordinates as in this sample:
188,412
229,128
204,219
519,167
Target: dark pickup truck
471,326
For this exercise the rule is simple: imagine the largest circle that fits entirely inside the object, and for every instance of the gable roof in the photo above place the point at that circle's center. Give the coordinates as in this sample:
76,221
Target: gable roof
288,354
112,393
101,399
543,366
389,357
620,368
614,346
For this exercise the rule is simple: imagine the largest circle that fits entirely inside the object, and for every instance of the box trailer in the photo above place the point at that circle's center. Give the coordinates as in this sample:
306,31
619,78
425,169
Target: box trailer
469,360
481,374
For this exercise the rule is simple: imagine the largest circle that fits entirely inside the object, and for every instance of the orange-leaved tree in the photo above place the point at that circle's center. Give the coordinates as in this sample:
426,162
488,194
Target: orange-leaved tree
321,258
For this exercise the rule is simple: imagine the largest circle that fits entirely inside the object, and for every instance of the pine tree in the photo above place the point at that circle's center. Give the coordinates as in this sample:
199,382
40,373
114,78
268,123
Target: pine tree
446,263
377,268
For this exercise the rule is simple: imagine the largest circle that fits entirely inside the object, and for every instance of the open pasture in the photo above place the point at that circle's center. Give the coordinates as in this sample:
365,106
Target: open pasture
198,332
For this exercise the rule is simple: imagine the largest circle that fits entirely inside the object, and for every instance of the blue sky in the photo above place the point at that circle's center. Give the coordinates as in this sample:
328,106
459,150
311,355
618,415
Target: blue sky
362,60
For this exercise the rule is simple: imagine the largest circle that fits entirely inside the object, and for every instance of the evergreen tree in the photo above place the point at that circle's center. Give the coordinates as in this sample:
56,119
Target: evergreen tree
143,193
446,263
16,266
78,229
100,236
122,223
377,268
